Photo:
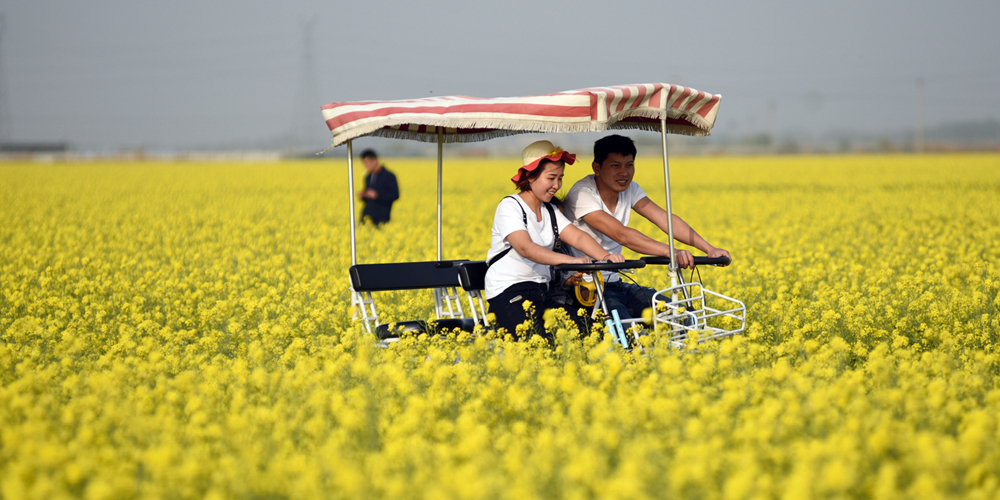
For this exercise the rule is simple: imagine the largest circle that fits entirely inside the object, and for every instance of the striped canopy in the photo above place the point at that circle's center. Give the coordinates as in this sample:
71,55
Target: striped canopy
469,119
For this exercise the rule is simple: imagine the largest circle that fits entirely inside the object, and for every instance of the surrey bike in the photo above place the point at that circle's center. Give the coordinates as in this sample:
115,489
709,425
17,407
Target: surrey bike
680,309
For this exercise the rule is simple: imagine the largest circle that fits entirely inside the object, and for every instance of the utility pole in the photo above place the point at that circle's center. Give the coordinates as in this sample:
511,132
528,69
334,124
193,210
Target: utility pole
920,114
772,123
306,117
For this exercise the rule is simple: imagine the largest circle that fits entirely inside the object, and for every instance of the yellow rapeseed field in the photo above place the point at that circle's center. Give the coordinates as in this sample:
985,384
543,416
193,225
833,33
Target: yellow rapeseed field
183,330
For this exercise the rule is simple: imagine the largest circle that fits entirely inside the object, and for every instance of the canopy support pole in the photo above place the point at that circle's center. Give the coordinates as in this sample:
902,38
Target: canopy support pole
670,210
350,196
666,183
440,172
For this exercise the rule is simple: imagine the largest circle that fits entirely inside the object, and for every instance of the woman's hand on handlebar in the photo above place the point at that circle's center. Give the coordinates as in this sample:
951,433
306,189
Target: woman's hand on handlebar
614,257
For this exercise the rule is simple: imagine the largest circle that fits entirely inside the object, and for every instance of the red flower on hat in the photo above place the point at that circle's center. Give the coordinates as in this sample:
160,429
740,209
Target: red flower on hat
533,158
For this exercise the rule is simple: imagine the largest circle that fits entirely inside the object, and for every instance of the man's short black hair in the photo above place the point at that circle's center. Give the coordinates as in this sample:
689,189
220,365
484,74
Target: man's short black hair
613,144
368,153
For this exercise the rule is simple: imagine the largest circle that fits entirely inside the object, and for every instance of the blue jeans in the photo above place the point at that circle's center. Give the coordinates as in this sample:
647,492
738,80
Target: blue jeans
628,299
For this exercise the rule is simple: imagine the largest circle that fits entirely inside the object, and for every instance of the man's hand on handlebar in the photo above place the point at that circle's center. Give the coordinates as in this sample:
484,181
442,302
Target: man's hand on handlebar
683,259
720,252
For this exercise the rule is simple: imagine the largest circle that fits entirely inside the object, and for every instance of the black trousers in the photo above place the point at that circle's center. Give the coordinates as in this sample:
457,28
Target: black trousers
508,307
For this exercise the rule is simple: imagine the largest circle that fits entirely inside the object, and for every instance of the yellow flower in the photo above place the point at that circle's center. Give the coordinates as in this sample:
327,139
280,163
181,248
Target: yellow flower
183,329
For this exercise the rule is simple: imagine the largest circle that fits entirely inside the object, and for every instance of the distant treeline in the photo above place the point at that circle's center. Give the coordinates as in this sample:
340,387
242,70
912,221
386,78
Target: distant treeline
986,130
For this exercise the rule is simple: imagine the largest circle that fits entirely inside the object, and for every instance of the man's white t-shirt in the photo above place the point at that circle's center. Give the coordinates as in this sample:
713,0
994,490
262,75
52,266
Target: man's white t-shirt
513,268
584,198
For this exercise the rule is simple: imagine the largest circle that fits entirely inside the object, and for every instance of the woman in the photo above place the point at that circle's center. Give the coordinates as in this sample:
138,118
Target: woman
525,230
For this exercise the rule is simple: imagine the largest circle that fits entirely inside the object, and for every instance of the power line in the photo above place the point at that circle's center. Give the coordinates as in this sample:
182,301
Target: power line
4,107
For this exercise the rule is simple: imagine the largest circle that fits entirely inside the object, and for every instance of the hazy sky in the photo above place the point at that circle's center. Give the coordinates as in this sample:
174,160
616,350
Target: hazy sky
179,74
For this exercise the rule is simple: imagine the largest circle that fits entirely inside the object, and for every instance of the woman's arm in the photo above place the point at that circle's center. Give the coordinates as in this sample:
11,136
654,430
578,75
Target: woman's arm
534,252
583,242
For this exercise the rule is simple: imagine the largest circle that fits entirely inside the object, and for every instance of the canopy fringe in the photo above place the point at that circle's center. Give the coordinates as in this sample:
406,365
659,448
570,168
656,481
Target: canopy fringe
387,129
497,130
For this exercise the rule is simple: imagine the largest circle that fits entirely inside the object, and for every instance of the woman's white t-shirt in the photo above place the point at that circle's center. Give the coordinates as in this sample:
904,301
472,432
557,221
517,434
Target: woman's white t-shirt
513,268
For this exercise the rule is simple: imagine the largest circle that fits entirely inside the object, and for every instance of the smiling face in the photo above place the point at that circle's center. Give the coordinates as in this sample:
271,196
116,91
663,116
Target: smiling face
549,182
615,172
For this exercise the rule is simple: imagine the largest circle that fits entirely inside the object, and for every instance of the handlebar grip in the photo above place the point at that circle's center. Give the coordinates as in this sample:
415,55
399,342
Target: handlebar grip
698,261
601,266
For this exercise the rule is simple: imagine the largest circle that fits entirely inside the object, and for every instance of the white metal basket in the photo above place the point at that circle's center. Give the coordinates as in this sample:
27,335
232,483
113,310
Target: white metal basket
689,308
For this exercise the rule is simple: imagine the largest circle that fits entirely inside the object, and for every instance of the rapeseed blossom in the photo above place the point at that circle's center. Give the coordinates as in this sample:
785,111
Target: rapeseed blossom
184,330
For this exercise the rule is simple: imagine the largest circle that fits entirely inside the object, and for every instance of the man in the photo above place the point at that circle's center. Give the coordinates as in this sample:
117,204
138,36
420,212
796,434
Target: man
601,205
380,189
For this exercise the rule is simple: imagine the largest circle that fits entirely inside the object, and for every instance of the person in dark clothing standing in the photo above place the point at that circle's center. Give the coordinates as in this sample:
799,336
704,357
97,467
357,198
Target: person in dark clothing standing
380,190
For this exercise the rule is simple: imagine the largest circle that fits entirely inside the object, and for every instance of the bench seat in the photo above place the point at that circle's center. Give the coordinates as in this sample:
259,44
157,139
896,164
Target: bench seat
405,275
438,275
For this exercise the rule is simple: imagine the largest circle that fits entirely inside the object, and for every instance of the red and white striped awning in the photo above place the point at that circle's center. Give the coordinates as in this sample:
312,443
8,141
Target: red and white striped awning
469,119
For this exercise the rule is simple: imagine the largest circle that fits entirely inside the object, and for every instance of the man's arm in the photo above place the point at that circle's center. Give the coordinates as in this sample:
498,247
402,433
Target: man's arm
624,235
682,231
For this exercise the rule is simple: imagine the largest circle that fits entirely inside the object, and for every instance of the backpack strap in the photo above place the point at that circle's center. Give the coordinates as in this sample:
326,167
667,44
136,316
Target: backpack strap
557,243
524,218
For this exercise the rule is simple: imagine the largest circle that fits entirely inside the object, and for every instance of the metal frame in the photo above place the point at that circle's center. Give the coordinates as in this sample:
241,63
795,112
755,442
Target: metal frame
474,297
363,302
350,182
693,314
447,300
612,320
447,303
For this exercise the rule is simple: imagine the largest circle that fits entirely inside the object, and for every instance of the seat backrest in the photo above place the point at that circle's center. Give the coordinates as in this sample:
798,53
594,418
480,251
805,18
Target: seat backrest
405,275
472,275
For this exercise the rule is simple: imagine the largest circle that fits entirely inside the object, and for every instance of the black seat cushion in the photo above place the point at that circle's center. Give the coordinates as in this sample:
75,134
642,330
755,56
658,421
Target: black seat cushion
464,324
384,331
404,275
472,275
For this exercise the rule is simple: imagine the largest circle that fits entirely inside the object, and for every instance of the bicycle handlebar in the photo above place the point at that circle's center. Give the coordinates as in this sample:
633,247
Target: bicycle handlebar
698,261
601,266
